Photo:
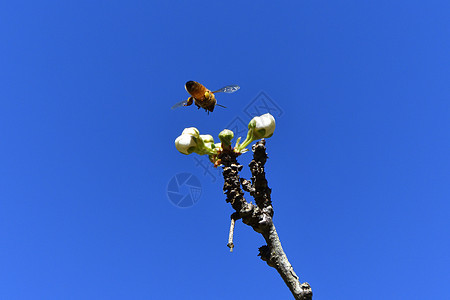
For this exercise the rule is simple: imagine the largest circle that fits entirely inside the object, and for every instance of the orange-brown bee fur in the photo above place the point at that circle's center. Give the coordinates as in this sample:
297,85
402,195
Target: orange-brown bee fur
201,96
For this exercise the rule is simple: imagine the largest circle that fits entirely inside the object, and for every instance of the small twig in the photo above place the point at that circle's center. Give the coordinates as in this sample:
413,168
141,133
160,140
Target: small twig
230,235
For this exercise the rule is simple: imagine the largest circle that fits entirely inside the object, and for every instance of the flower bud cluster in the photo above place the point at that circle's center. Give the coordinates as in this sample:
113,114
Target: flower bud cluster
191,141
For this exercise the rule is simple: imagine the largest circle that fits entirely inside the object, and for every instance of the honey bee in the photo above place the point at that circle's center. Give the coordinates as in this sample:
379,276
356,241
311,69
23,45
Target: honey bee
202,97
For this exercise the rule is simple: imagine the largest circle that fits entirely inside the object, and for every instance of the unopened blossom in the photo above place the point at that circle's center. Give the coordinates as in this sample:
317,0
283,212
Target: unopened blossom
263,126
186,143
258,128
191,131
226,136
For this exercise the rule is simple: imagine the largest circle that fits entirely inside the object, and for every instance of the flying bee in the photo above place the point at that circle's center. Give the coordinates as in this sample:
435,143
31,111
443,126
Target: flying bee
202,97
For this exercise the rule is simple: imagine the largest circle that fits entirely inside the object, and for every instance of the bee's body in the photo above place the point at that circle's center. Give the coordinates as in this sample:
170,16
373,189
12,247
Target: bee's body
202,97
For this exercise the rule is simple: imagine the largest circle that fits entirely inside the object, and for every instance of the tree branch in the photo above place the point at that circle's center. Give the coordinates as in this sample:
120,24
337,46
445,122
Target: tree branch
259,216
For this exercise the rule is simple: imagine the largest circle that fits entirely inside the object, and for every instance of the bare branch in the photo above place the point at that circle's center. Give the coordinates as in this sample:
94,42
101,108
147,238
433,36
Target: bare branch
259,216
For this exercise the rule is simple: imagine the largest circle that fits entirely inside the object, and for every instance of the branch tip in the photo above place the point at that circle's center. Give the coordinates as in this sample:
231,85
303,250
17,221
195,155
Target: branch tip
230,235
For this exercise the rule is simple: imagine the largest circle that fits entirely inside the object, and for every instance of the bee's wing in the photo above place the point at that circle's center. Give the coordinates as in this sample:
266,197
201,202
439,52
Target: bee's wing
179,104
228,89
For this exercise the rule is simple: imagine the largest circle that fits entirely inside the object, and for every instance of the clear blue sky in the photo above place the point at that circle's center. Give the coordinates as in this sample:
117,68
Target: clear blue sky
359,163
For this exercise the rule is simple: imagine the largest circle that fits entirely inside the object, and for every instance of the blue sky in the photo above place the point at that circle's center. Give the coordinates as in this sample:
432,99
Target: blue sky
359,162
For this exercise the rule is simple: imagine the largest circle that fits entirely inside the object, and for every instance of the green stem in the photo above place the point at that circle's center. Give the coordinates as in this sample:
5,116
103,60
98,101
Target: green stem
247,141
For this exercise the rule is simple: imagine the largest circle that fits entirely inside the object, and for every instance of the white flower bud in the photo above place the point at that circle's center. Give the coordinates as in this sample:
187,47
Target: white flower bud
258,128
207,138
264,126
186,143
191,131
210,145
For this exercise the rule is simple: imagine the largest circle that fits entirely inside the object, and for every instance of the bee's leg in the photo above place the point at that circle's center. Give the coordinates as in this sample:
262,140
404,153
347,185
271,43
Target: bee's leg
189,101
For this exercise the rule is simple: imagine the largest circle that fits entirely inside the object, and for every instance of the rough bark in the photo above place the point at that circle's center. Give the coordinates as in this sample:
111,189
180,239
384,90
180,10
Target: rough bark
259,216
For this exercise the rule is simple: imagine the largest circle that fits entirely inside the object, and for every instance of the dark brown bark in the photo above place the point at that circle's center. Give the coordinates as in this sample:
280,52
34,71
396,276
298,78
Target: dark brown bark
259,216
